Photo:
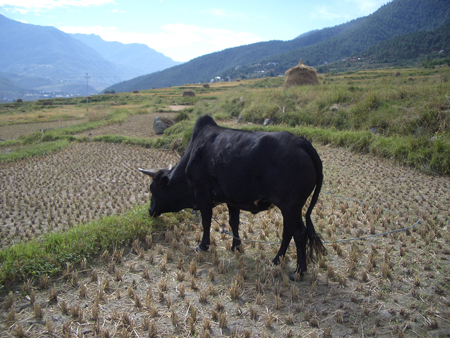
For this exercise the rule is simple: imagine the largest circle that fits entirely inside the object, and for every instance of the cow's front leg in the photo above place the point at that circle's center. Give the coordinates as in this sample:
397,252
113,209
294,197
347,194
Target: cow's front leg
206,222
287,236
234,224
288,226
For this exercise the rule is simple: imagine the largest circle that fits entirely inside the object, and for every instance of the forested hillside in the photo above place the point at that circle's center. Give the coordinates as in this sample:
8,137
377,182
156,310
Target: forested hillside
424,48
412,46
396,18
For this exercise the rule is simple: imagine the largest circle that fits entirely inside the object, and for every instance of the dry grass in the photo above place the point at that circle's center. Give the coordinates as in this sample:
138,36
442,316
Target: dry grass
43,115
300,75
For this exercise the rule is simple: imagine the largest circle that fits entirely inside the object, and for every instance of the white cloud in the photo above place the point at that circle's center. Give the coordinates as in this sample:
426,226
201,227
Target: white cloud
28,5
326,13
334,13
223,13
366,7
178,41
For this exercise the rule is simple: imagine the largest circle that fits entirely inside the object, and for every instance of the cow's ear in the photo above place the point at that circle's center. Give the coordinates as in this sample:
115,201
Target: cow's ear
164,180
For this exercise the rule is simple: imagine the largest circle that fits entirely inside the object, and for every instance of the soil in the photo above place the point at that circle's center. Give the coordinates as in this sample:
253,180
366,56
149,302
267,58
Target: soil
393,285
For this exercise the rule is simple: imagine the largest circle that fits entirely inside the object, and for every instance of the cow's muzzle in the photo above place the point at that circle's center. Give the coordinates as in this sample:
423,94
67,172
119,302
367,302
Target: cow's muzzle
153,213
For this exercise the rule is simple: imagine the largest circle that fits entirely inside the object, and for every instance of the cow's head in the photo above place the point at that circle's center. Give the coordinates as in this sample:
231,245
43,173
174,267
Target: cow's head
169,192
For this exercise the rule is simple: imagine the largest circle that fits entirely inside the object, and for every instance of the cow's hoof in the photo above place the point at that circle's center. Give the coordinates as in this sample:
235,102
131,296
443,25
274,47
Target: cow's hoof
202,247
296,276
276,260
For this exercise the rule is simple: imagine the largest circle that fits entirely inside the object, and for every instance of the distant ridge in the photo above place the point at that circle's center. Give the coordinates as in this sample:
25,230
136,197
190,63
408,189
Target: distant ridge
136,57
36,59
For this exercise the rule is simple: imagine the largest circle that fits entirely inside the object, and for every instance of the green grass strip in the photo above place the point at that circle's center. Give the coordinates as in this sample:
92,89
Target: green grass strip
142,142
23,151
49,255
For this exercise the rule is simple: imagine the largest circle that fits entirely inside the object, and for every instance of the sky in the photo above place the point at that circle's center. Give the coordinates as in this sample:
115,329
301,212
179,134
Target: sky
183,30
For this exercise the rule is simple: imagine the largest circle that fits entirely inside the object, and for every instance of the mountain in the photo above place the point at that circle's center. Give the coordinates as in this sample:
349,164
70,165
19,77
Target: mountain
419,49
396,18
46,52
10,89
134,57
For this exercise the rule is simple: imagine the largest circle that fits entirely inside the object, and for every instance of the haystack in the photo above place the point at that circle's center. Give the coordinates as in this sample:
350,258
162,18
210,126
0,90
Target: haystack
188,92
300,75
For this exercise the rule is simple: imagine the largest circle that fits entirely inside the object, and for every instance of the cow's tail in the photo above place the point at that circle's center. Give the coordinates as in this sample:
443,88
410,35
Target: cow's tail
316,248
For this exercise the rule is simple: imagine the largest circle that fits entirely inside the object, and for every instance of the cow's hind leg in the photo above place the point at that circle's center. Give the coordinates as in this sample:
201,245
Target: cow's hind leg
206,222
300,238
234,223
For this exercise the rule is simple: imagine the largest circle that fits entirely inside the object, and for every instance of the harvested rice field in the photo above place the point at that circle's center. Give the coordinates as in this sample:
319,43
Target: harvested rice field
393,285
77,185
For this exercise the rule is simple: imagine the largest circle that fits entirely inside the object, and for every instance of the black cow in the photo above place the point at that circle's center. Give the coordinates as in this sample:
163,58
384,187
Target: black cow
246,170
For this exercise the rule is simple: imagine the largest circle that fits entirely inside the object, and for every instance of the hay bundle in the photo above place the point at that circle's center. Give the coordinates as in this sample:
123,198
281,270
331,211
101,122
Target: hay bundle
188,92
300,75
206,85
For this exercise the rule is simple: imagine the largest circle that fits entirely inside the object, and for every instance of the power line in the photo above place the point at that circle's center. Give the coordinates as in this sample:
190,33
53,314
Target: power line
87,91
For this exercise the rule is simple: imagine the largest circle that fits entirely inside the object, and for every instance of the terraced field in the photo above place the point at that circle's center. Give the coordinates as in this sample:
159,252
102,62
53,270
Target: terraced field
396,284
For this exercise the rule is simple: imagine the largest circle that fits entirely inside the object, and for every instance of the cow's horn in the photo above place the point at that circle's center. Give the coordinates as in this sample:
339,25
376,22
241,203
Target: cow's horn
150,173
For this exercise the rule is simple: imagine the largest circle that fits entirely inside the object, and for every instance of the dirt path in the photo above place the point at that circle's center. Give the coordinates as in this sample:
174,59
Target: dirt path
395,285
140,126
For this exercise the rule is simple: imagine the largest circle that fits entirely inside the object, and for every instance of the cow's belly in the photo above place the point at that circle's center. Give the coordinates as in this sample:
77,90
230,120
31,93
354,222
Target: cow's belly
253,207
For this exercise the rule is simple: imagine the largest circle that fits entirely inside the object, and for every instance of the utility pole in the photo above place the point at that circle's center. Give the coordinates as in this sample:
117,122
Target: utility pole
87,91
